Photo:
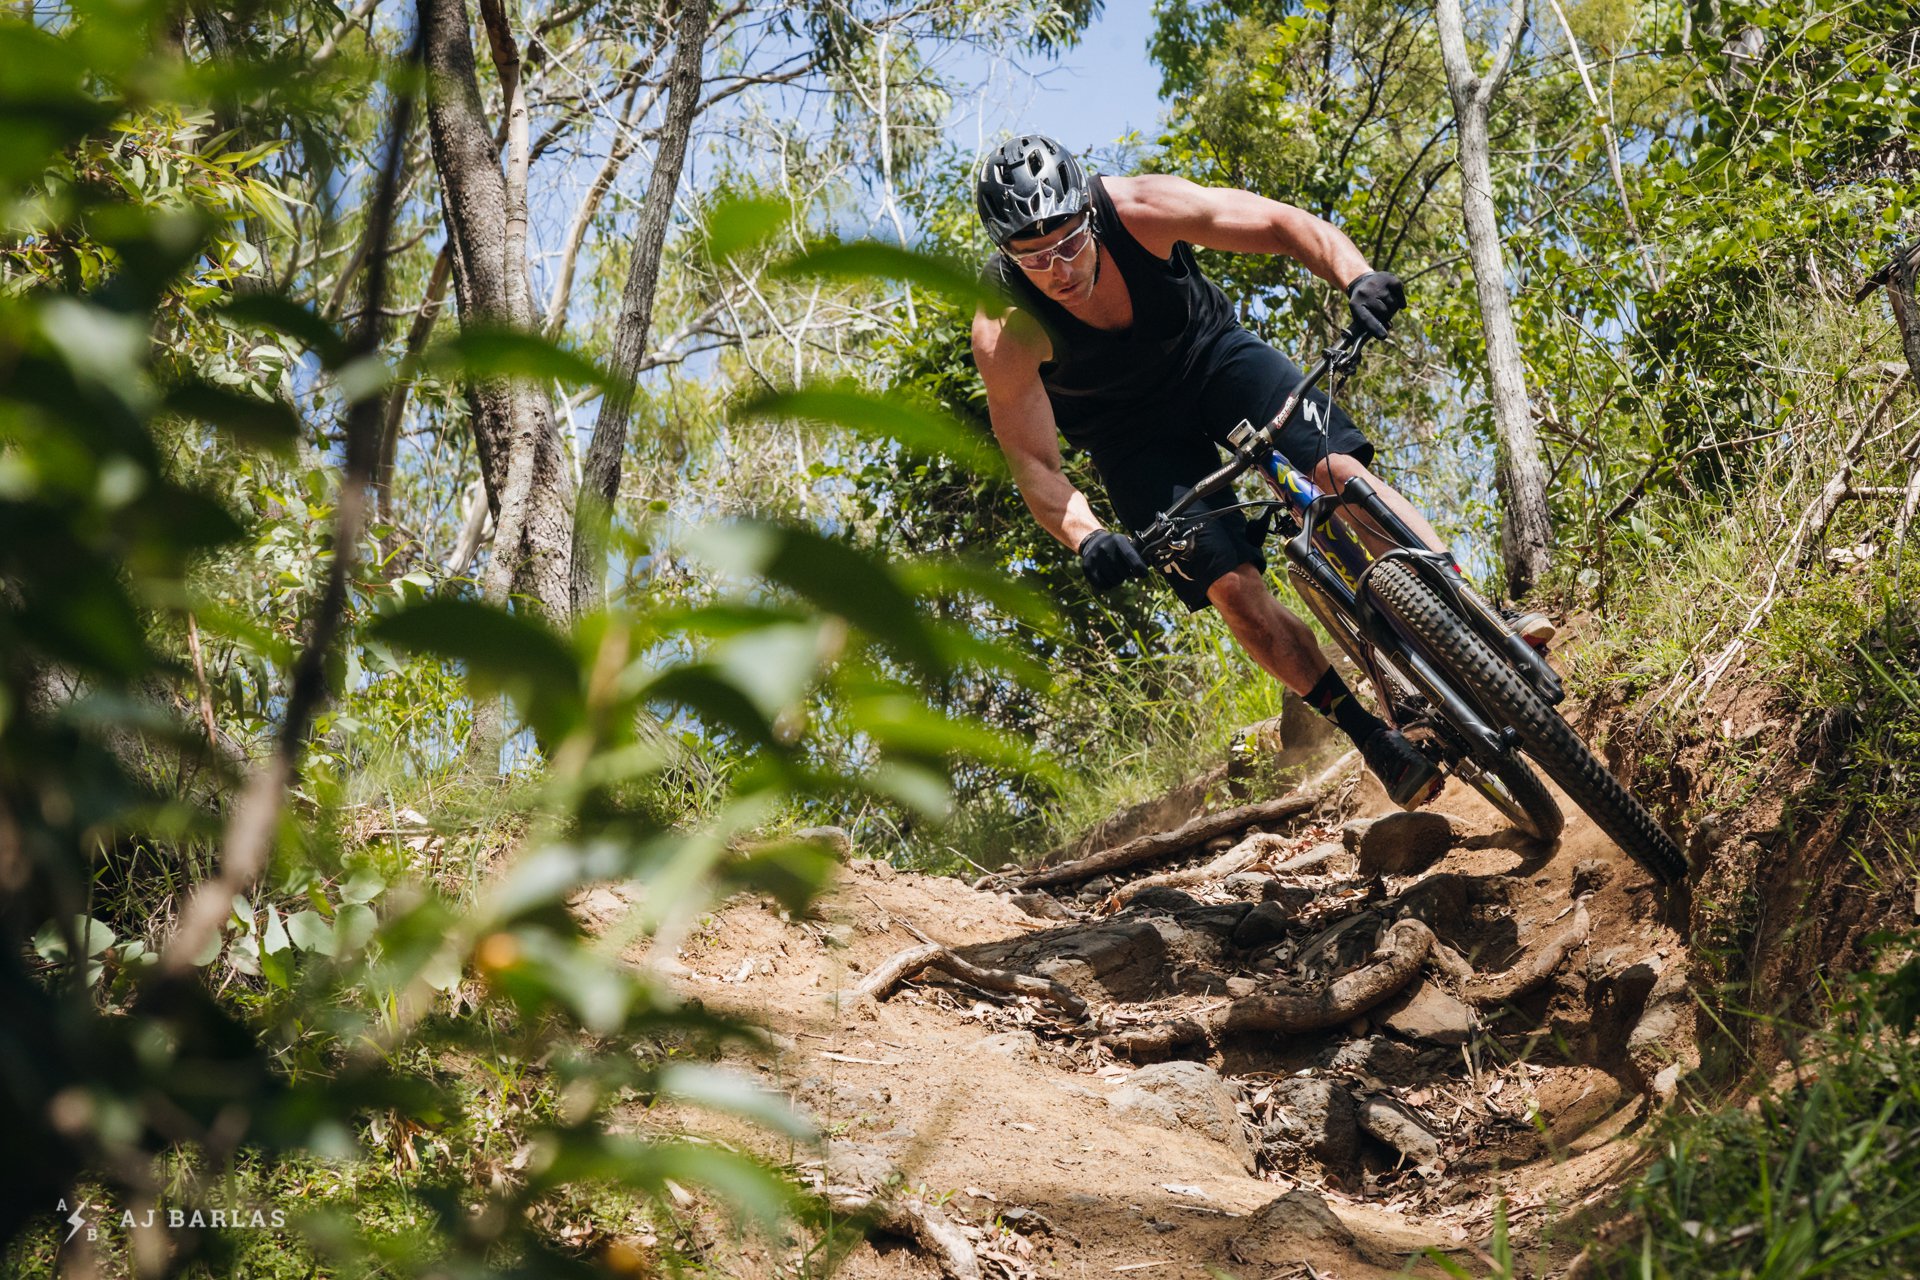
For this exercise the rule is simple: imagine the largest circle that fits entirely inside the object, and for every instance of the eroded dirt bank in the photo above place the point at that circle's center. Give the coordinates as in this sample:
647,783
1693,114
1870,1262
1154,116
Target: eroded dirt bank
1021,1134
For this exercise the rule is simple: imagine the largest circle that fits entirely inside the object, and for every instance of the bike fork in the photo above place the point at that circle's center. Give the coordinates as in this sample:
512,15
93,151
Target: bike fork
1302,553
1446,579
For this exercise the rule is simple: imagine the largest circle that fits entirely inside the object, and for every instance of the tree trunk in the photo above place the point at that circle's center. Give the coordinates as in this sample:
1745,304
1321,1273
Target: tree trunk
1906,309
600,474
394,549
1519,473
512,425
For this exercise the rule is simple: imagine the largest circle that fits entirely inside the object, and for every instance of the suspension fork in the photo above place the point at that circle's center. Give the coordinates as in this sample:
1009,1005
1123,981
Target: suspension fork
1438,571
1305,552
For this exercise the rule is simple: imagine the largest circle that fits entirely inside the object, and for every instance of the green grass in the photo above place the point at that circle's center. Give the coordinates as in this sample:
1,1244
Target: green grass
1817,1180
1125,730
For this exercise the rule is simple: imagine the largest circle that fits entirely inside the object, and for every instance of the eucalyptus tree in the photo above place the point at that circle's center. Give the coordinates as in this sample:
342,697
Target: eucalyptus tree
1525,533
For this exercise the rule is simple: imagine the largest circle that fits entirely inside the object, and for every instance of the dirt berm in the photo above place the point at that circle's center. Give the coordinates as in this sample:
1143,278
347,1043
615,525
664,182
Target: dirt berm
1297,1068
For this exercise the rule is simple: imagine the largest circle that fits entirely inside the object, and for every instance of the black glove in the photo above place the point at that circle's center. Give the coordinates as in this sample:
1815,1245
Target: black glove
1376,297
1109,559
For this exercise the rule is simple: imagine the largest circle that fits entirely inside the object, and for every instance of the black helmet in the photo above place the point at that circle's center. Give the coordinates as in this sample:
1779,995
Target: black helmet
1030,179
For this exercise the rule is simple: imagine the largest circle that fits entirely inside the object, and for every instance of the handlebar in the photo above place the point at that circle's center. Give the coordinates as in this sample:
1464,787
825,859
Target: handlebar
1342,357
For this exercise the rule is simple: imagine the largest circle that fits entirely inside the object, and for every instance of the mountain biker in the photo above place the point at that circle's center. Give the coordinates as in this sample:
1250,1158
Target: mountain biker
1115,341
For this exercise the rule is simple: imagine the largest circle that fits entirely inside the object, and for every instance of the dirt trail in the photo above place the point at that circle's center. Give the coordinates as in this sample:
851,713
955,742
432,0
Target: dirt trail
1047,1153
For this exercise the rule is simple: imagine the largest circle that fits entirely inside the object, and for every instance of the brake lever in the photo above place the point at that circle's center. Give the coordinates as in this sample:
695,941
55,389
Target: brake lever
1343,357
1162,542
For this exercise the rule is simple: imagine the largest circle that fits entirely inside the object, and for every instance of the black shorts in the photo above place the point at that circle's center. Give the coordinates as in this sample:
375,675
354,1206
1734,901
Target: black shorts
1161,448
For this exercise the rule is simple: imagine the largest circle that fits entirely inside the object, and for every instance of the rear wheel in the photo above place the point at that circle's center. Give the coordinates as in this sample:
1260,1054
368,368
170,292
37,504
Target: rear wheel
1517,792
1505,694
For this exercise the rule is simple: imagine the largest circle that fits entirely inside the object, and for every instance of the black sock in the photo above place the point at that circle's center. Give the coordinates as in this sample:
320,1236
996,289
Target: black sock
1332,699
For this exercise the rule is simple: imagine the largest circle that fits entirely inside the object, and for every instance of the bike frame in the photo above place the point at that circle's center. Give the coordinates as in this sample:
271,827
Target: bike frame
1331,560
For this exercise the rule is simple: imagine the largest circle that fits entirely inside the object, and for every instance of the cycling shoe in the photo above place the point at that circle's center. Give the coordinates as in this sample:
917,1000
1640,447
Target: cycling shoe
1410,778
1535,628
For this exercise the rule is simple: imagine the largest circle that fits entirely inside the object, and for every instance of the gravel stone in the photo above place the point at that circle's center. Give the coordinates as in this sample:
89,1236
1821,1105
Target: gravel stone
1185,1095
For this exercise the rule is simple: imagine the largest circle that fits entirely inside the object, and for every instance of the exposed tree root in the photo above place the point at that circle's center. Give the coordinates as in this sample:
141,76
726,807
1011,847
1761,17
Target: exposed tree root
1238,858
924,1224
932,955
1311,860
1394,963
1165,844
1534,970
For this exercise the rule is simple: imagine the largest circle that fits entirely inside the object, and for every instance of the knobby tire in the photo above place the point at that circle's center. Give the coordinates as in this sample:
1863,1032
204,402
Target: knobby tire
1488,679
1541,816
1534,810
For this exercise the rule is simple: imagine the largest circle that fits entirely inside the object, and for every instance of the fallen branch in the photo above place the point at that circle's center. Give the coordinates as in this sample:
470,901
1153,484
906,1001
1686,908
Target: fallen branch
1165,844
1394,964
1909,505
932,955
924,1224
1534,970
1238,858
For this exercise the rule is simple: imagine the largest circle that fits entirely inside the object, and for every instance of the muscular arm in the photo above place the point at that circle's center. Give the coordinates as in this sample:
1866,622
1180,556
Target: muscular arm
1008,350
1160,209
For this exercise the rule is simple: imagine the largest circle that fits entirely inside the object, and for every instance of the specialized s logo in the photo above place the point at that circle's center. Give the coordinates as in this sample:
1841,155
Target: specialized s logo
1316,417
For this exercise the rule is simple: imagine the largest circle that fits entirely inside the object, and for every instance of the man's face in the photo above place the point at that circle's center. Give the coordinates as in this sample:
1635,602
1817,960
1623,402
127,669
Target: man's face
1059,262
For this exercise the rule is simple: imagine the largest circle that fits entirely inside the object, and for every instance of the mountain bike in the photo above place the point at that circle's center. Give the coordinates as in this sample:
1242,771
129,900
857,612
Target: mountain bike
1447,668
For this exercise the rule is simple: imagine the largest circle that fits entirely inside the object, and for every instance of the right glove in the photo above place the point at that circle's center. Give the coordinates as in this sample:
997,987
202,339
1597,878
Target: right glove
1109,559
1376,298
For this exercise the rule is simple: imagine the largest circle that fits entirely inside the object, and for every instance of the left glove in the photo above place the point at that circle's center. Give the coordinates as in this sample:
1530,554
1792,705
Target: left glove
1109,559
1376,298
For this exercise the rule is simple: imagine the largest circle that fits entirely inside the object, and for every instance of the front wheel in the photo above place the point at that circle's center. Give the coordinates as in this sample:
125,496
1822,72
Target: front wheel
1507,783
1505,694
1517,792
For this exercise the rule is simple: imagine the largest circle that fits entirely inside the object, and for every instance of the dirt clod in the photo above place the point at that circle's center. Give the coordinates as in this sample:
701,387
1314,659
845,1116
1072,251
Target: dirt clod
1267,922
1021,1046
1318,1116
1590,876
835,840
1275,1230
1428,1013
1375,1057
1394,1125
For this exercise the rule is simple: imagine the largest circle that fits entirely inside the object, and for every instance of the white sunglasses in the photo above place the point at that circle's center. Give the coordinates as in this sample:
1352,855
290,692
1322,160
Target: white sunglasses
1040,259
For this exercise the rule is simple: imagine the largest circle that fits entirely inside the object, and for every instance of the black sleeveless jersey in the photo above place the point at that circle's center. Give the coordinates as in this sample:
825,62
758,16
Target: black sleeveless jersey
1098,380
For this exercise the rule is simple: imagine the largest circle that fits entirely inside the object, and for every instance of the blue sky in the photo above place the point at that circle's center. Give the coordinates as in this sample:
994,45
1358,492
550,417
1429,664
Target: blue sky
1096,93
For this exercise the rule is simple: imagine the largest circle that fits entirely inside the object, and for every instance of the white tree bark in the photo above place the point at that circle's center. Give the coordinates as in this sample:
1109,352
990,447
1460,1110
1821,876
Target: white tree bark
531,416
1520,474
